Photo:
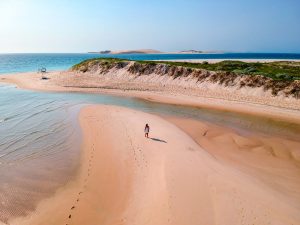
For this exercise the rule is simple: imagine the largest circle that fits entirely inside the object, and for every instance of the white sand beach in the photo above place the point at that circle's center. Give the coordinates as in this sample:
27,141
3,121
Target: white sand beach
169,178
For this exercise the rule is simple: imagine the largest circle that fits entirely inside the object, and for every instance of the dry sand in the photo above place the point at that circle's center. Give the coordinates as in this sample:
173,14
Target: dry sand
169,178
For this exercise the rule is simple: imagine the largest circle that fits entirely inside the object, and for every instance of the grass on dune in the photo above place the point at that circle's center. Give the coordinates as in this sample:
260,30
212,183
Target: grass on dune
280,70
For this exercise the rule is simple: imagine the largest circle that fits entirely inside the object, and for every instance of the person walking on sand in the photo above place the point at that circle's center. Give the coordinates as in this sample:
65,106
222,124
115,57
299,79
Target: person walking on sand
147,130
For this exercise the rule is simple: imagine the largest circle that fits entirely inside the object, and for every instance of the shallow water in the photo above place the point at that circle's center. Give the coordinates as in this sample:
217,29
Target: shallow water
37,149
40,139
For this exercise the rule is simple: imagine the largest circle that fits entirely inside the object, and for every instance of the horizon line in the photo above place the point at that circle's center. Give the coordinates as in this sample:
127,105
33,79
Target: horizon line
171,52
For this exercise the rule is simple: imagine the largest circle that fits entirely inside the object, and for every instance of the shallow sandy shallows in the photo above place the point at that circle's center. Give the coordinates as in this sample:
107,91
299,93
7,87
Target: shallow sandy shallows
128,179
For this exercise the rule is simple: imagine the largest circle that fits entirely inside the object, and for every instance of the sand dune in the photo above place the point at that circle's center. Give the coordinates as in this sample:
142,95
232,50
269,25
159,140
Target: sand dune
159,89
166,179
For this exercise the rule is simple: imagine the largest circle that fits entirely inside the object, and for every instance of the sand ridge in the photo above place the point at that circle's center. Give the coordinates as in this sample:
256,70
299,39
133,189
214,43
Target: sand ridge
166,179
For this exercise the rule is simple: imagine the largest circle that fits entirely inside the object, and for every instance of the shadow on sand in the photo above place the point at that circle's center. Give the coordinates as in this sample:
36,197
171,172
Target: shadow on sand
156,139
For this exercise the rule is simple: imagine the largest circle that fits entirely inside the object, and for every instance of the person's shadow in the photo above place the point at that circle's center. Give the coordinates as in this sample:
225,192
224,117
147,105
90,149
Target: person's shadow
159,140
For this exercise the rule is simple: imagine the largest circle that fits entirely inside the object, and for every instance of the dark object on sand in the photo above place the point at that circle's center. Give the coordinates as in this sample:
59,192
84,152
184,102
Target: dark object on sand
159,140
147,130
42,70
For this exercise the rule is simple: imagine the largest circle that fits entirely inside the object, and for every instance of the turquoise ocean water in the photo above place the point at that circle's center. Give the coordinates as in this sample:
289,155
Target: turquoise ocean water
12,63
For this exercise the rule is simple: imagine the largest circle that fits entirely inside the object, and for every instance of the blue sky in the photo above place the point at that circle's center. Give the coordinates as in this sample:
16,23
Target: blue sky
166,25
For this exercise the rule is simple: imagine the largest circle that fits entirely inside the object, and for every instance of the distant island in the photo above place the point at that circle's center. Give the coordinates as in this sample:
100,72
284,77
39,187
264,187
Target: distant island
190,52
152,51
198,52
137,51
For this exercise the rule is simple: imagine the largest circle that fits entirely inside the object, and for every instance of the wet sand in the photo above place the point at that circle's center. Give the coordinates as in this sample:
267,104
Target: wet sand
185,173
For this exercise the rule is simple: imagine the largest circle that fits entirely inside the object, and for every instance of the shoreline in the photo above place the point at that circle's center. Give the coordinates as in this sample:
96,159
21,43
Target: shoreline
174,60
139,181
289,111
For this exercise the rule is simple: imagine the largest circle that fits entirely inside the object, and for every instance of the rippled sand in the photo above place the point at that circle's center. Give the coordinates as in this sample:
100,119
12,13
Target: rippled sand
39,150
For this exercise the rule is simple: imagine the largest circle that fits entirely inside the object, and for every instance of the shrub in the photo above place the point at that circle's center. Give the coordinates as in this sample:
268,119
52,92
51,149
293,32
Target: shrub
250,69
282,76
238,71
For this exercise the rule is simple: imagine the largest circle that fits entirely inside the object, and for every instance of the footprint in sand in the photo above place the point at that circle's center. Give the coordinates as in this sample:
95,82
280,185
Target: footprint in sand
70,216
73,207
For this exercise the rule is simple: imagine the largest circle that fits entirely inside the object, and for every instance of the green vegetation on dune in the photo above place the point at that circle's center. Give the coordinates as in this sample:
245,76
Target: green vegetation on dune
281,70
97,60
277,77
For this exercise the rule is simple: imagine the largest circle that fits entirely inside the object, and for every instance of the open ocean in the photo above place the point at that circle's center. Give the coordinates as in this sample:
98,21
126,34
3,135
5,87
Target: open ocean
12,63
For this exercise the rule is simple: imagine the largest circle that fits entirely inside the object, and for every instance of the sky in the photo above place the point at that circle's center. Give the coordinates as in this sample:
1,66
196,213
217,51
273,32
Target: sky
40,26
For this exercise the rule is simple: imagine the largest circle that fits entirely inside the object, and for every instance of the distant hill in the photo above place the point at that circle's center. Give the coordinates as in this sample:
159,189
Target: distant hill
190,52
137,51
198,52
152,51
